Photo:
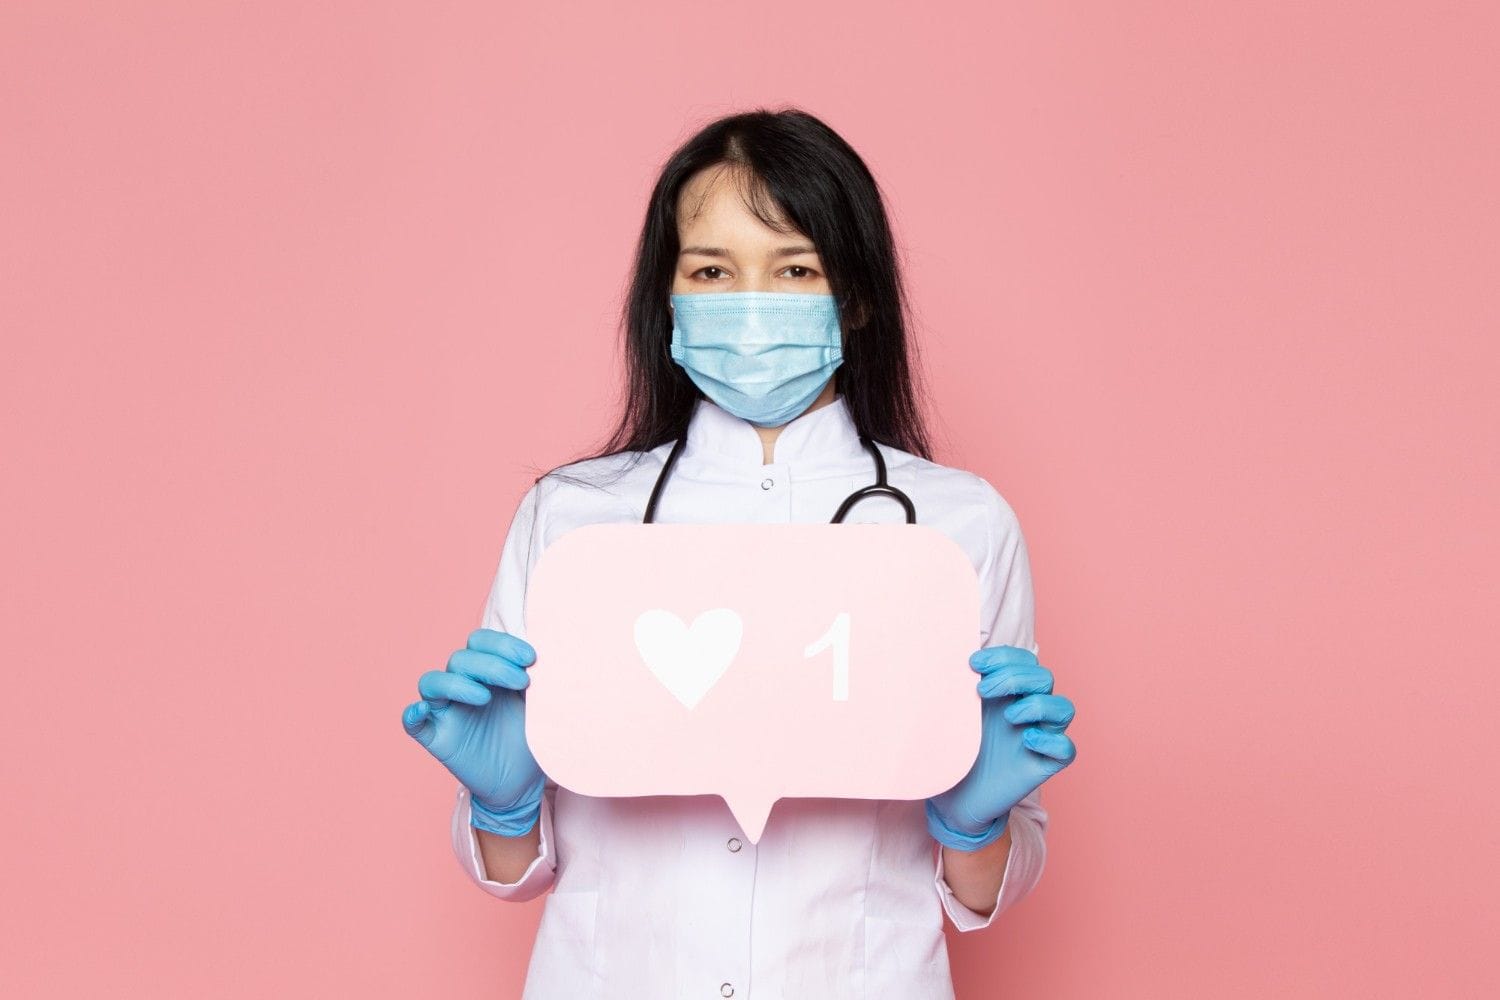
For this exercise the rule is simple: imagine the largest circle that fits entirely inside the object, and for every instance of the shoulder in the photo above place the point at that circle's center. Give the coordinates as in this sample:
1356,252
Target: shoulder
591,490
967,490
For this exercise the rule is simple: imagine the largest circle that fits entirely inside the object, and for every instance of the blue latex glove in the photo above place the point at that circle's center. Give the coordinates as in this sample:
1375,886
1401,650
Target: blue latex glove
1022,745
473,720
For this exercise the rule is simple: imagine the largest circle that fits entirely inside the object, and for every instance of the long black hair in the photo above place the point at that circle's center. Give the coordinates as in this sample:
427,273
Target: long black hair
791,166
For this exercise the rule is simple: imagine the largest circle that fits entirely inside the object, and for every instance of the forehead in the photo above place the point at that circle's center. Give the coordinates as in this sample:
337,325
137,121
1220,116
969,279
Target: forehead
714,201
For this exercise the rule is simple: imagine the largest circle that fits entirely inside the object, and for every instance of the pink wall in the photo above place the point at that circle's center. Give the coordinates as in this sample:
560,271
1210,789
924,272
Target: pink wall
293,298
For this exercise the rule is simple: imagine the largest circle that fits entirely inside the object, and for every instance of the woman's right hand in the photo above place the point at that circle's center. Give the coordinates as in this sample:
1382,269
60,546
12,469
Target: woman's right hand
472,718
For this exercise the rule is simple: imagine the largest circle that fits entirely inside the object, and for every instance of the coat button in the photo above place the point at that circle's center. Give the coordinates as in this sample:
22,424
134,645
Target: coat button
765,484
734,843
726,990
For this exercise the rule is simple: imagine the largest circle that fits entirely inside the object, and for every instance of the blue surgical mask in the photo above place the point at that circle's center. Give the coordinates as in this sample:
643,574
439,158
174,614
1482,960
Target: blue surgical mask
762,356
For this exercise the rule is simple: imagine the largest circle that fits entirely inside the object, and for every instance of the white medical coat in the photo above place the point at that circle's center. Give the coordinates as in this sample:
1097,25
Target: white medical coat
661,897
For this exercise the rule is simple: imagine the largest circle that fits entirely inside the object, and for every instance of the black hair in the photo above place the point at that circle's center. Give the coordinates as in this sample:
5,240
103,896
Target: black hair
791,166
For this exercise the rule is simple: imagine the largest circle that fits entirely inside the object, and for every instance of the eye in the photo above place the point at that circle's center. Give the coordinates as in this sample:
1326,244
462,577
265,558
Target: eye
799,267
711,267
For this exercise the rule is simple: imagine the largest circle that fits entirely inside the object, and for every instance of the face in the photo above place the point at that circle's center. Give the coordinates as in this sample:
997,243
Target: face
725,248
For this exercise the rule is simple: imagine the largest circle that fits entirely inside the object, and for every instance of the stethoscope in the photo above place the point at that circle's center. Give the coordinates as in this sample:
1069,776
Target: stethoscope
878,488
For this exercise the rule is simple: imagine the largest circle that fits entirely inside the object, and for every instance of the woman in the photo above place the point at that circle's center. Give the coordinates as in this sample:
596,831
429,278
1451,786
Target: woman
766,339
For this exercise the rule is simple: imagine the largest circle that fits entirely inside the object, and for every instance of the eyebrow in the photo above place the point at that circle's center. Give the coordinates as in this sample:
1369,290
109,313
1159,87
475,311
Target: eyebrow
791,251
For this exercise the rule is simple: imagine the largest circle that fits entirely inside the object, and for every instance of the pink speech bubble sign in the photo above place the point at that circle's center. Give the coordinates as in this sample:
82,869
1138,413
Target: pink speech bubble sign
755,662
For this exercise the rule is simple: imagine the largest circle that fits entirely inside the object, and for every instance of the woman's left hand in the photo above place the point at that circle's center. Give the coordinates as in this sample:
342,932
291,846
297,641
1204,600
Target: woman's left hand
1022,745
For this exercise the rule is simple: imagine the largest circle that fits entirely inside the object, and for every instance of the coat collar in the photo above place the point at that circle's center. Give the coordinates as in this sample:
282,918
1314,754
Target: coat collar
824,435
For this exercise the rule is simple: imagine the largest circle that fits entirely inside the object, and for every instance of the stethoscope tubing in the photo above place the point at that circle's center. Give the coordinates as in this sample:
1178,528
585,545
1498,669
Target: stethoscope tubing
878,488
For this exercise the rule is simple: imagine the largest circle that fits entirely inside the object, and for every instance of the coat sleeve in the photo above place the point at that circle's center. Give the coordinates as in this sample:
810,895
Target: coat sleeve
1007,618
503,611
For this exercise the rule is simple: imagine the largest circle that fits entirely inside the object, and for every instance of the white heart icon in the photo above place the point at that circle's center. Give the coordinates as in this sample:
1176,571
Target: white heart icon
688,660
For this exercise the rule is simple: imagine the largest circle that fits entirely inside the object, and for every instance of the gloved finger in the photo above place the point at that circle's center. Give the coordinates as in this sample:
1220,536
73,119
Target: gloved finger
511,647
989,665
487,668
1058,746
992,657
1016,680
1049,708
416,719
435,684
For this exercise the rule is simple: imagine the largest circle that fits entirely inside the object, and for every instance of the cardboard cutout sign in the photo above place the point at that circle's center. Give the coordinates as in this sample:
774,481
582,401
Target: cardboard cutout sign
754,661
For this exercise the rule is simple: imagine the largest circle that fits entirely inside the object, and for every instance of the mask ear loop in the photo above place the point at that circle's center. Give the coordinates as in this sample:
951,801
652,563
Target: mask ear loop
879,488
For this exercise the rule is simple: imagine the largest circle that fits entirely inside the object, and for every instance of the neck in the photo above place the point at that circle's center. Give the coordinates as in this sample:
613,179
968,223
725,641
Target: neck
768,435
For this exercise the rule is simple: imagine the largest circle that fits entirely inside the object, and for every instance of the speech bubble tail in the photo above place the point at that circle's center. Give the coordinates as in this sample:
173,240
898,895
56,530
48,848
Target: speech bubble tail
751,816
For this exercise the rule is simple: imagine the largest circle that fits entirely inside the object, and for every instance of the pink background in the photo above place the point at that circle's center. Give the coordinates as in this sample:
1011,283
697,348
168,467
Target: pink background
297,298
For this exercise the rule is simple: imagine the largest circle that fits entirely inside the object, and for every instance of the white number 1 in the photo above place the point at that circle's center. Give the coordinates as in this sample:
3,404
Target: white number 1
837,636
